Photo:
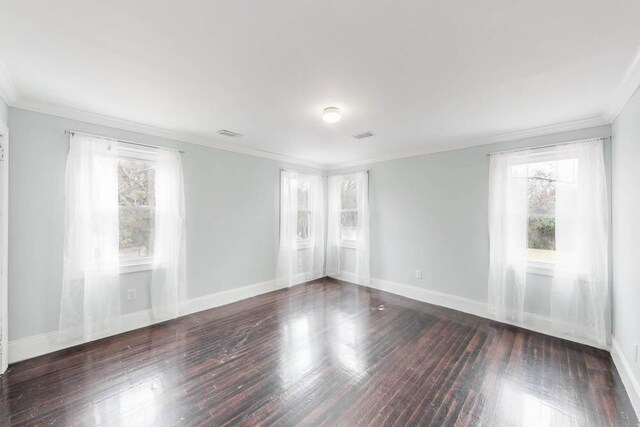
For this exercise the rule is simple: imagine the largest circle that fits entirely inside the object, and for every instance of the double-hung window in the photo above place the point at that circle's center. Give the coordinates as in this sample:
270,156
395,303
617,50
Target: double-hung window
348,212
136,209
302,228
548,214
304,213
348,227
542,178
124,213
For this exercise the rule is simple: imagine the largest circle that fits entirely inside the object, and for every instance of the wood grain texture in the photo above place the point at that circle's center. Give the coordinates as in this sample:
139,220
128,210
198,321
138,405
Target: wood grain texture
326,352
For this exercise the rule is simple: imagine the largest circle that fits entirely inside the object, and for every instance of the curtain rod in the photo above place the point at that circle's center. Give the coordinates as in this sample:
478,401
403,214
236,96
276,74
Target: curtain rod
351,172
548,146
315,174
75,132
300,172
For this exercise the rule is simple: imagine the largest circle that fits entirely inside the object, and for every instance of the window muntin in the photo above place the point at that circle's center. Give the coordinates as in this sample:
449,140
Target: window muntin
541,222
304,213
348,211
136,204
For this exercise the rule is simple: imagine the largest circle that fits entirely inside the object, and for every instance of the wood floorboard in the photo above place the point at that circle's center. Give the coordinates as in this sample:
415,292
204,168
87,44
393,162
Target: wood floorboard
323,353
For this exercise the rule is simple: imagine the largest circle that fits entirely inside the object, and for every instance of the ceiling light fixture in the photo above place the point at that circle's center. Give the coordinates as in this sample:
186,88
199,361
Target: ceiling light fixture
331,114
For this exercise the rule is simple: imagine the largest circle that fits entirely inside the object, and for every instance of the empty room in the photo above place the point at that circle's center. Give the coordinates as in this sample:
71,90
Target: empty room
336,213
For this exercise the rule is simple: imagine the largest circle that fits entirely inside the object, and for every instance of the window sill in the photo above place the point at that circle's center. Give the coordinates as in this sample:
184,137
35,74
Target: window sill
306,244
347,244
541,268
135,267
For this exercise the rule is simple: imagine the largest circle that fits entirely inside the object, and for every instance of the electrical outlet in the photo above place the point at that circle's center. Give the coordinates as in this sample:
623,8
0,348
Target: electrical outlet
418,274
131,294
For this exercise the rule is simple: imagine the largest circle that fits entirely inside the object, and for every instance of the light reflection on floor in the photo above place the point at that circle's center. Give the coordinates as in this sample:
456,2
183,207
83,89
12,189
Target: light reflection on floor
533,409
320,353
303,346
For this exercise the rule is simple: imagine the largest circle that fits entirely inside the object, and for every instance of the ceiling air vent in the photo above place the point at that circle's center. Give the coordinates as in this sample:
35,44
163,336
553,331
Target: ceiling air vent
229,133
364,135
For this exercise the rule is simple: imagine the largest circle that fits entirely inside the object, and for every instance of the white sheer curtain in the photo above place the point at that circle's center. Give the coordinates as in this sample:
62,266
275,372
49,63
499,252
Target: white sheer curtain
580,289
90,304
359,243
508,206
302,228
579,297
168,283
363,252
315,256
334,192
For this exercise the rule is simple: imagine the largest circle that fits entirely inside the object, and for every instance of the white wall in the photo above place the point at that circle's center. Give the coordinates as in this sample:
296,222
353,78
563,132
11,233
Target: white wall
626,232
232,208
430,213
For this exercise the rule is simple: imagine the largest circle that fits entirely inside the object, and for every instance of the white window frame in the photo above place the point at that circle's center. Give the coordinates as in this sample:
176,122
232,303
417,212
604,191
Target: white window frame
146,263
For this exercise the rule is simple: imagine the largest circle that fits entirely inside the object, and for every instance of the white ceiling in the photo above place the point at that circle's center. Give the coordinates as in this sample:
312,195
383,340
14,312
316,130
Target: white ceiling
422,75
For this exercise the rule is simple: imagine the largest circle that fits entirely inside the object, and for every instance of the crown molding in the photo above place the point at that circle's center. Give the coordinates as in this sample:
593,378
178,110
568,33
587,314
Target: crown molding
590,122
103,120
625,90
475,142
8,91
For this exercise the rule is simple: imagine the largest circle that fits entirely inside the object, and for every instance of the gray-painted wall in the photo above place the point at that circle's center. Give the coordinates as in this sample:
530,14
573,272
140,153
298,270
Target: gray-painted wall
626,230
232,207
427,213
4,112
430,213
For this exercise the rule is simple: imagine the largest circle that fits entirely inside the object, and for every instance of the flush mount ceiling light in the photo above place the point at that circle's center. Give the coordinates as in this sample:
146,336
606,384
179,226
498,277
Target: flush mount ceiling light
331,114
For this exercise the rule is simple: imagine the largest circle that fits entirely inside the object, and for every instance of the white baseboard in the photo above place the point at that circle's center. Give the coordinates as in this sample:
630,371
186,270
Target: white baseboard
346,276
218,299
307,277
476,308
626,374
37,345
532,321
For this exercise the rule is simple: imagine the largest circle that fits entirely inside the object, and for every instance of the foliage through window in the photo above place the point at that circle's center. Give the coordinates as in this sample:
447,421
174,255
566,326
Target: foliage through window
136,202
541,229
349,211
304,214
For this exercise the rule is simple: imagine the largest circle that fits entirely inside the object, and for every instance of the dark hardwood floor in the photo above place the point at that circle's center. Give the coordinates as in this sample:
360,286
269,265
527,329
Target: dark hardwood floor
326,352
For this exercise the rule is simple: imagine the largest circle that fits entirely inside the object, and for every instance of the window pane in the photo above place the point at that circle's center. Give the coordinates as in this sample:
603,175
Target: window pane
303,225
136,198
303,196
349,195
136,232
349,219
542,188
136,183
349,225
541,230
